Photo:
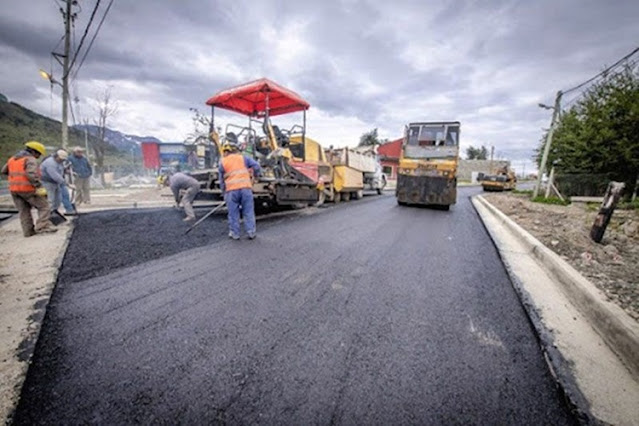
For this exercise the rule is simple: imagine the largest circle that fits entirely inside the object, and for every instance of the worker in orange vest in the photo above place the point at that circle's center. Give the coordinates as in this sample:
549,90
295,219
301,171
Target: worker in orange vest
27,190
236,172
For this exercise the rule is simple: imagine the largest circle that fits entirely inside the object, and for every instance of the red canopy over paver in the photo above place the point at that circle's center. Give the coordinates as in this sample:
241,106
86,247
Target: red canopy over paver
250,99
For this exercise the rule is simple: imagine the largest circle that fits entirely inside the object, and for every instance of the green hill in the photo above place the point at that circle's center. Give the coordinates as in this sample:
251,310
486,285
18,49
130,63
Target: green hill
19,125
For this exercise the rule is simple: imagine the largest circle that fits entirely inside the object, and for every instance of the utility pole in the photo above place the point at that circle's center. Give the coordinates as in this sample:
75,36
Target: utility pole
492,152
86,141
544,158
65,74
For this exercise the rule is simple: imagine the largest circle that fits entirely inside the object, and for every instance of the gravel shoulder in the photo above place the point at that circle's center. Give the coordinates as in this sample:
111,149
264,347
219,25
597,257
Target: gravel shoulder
611,265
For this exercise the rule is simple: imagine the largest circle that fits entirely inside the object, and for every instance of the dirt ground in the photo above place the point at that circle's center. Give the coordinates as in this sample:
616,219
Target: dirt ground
613,265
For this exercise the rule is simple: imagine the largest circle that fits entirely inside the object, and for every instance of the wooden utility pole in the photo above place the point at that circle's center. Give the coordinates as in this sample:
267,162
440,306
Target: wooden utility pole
613,193
65,74
550,183
544,158
492,152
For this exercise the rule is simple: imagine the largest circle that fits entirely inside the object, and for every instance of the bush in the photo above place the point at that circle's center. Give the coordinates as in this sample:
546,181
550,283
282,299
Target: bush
629,205
523,191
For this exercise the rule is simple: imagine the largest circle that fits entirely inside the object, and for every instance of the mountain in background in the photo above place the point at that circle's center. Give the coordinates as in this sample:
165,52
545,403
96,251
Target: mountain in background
121,142
19,125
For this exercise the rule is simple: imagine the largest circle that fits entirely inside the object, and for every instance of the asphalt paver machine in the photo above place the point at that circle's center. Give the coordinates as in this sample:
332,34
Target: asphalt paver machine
294,167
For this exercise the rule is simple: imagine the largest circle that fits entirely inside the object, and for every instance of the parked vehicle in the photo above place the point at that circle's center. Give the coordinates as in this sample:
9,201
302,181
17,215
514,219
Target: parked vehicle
427,172
354,172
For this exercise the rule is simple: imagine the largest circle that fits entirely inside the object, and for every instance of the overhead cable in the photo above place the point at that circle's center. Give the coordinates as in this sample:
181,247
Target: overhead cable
86,31
93,39
604,72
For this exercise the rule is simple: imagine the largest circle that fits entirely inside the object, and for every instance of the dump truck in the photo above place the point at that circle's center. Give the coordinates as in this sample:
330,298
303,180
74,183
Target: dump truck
354,172
504,179
427,172
294,167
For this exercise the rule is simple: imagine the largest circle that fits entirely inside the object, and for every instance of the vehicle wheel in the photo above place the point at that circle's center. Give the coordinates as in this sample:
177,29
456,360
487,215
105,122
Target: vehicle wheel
401,203
359,194
346,196
379,191
337,197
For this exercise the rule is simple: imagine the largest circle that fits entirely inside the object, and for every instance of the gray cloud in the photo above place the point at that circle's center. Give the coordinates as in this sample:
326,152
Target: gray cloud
361,64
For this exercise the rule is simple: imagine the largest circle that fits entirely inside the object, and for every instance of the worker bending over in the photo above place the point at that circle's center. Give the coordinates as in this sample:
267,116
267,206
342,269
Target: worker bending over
183,182
236,172
27,190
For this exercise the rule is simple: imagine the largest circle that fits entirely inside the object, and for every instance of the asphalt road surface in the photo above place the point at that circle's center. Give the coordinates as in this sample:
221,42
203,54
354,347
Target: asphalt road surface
360,313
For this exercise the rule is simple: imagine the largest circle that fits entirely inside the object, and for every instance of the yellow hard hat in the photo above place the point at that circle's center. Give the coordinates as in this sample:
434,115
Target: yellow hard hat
229,146
36,146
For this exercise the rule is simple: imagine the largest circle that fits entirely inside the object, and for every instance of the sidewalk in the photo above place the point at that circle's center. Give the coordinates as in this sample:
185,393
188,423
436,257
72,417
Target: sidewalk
591,345
28,272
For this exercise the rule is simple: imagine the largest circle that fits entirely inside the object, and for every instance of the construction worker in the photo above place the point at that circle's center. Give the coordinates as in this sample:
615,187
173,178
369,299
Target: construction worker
237,186
82,172
183,182
52,169
27,190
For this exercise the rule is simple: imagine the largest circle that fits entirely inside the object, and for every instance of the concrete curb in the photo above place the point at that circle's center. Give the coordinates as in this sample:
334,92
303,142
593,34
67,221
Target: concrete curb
616,327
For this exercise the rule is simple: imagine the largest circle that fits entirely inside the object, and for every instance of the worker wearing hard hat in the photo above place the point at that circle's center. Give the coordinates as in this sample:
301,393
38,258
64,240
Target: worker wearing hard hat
236,183
53,180
180,182
27,190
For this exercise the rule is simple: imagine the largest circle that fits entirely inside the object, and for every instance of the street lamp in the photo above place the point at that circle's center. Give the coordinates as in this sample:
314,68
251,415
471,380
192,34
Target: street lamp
49,77
65,96
544,158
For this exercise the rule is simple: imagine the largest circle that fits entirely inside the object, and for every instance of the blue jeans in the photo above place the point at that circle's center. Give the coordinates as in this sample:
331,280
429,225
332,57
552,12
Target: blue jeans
66,199
57,194
240,198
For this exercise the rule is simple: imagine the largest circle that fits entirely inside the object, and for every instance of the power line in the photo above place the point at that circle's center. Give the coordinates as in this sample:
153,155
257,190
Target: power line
86,31
616,64
608,71
93,39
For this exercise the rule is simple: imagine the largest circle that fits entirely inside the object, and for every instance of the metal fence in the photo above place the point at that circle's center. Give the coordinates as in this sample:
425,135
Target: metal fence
587,185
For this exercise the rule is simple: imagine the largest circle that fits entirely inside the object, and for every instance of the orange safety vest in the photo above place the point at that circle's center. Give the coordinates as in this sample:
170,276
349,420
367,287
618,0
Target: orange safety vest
236,175
18,178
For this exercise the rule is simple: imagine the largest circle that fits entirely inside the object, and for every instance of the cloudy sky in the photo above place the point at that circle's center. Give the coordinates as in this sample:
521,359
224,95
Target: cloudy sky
360,64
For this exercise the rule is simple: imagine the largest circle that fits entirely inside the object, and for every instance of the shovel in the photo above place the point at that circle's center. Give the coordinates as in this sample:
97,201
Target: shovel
216,208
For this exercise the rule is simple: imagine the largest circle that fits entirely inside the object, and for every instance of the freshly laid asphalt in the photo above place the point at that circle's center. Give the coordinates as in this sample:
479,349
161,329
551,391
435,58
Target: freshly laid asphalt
363,313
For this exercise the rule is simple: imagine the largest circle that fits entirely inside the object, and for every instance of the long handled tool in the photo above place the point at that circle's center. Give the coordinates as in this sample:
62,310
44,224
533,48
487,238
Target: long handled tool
205,216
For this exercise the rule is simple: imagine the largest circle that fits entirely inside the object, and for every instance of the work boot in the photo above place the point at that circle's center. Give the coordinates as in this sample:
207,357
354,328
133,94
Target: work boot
30,233
233,236
251,236
189,218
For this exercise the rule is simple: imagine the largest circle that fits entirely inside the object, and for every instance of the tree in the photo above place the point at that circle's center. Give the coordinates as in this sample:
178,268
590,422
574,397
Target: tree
370,138
473,153
600,133
106,108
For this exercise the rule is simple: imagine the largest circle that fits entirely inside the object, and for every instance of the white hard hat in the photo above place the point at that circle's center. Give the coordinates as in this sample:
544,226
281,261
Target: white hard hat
61,153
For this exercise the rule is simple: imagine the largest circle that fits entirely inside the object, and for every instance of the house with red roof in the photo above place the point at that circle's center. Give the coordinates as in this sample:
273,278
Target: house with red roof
389,153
